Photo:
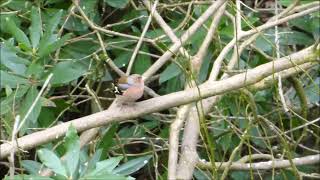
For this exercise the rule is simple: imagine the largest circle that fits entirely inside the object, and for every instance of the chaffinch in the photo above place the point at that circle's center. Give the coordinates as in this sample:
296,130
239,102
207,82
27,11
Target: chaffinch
132,88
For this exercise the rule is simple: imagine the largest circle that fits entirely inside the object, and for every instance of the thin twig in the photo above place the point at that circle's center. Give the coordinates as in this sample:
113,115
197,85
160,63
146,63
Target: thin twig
145,29
35,101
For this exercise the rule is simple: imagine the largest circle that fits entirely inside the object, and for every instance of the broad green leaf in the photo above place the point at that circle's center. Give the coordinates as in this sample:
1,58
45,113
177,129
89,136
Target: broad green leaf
21,5
9,59
6,103
46,40
95,158
286,37
133,131
50,27
17,33
295,38
117,3
204,70
36,27
122,59
91,9
65,72
132,165
47,102
288,2
240,175
32,167
3,24
142,62
170,72
11,80
174,84
28,177
78,50
201,174
105,166
72,145
53,22
52,161
107,139
303,23
254,131
36,70
46,50
75,24
25,106
312,91
196,40
108,176
46,117
225,142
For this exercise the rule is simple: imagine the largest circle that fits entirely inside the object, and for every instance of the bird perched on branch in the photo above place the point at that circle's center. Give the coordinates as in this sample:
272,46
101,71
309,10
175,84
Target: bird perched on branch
131,88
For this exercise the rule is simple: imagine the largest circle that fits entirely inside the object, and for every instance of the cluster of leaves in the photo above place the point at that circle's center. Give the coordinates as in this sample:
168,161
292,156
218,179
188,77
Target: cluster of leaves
76,164
41,37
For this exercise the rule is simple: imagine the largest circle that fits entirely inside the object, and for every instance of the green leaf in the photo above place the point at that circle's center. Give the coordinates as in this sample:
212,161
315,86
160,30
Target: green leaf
108,176
107,139
48,36
11,80
78,50
254,131
26,104
122,59
143,62
52,161
36,27
46,50
12,61
205,67
6,103
35,70
46,40
19,5
53,22
95,158
174,84
117,3
295,37
132,165
32,167
240,175
28,177
105,166
65,72
170,72
288,2
72,145
286,37
312,91
17,33
46,117
75,24
91,10
201,174
225,142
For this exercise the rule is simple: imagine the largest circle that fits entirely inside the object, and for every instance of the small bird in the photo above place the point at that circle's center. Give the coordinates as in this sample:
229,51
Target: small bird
132,88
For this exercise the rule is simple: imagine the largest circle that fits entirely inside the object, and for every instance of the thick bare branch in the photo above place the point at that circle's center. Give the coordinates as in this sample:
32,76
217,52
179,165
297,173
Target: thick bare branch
267,165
